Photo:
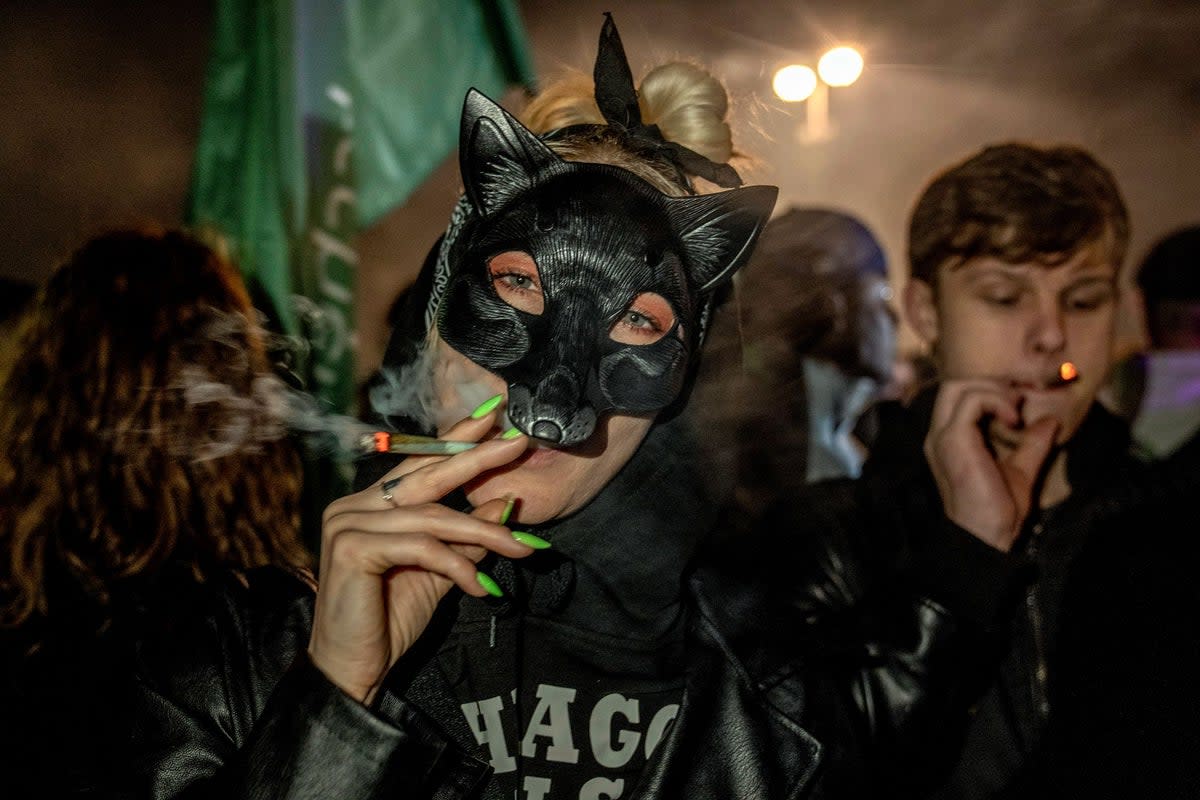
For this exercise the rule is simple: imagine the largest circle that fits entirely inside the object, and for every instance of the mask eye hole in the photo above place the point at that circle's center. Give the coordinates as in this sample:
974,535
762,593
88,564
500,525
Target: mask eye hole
647,319
514,276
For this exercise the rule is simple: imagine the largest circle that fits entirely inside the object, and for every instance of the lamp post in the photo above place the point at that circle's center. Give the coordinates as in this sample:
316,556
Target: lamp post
797,83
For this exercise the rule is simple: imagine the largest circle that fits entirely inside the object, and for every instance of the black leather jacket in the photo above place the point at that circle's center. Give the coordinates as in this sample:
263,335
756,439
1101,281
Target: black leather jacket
227,705
1126,712
239,711
981,718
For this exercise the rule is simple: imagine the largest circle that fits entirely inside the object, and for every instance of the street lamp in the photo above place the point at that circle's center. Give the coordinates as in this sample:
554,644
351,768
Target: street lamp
795,83
840,66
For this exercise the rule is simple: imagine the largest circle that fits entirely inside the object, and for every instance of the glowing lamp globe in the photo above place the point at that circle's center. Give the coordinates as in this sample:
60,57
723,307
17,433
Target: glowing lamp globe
840,66
794,83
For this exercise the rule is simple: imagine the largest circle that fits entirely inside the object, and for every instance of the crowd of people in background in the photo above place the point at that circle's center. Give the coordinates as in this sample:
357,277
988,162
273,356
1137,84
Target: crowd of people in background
706,540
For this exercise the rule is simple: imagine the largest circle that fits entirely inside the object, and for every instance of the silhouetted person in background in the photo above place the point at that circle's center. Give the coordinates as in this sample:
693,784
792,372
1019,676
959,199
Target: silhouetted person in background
800,350
1168,408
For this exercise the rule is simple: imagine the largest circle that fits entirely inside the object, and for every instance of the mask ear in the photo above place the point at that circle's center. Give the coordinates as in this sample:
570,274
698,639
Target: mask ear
719,230
498,156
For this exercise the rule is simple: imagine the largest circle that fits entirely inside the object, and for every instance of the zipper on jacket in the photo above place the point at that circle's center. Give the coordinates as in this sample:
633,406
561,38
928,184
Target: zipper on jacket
1039,674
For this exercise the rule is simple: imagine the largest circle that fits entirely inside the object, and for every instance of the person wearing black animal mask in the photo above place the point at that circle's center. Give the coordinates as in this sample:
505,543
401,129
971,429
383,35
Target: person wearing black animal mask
516,619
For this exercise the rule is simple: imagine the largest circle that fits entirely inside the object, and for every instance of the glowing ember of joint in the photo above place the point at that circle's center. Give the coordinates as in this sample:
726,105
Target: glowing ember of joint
1067,372
386,442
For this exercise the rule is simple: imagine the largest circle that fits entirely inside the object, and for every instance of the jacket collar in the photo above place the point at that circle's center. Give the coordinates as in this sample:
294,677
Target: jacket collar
734,736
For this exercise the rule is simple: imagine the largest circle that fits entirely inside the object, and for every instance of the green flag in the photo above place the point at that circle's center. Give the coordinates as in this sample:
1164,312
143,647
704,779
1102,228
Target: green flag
320,116
248,174
414,62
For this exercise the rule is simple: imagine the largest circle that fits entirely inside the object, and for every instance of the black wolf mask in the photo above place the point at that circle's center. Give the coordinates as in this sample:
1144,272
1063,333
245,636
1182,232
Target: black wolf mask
580,284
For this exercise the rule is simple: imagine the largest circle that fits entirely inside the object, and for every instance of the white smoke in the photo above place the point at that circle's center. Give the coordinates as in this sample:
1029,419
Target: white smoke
411,390
407,390
272,409
269,411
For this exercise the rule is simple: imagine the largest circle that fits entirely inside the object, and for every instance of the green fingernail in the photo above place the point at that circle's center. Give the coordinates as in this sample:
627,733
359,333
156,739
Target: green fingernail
528,539
489,583
487,407
508,509
511,433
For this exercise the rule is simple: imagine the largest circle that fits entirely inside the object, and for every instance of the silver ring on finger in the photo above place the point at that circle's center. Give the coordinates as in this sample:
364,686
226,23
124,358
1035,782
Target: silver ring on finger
387,486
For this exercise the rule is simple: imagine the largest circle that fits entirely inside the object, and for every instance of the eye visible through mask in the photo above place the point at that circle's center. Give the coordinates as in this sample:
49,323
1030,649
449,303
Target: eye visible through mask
516,280
514,276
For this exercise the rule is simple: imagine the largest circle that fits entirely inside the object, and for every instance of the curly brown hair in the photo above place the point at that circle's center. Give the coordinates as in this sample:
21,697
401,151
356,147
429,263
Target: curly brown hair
1018,202
99,482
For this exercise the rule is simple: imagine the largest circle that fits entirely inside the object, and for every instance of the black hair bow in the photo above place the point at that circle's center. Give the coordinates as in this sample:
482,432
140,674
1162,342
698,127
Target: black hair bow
617,98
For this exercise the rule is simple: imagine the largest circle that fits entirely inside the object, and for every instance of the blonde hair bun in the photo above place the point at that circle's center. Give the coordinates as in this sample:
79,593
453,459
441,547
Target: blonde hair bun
689,106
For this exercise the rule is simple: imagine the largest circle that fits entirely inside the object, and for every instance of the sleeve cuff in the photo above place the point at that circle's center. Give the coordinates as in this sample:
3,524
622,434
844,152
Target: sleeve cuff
969,577
313,739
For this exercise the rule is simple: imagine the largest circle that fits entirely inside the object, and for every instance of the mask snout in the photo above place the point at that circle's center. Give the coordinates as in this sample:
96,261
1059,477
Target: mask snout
554,411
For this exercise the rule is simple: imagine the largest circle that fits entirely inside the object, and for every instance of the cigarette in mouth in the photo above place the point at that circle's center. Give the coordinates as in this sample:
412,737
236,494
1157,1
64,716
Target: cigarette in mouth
1067,374
386,442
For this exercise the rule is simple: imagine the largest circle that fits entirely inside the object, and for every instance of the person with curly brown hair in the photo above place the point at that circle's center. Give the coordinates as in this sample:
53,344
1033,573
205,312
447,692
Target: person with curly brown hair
140,463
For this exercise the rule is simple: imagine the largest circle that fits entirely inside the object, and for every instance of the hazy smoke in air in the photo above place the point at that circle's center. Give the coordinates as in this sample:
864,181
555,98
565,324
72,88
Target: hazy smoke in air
407,391
269,411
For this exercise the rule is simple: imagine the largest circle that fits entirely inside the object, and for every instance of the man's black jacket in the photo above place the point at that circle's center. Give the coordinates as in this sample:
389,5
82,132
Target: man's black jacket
978,719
